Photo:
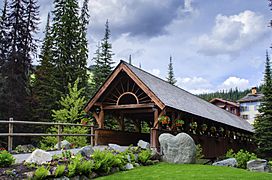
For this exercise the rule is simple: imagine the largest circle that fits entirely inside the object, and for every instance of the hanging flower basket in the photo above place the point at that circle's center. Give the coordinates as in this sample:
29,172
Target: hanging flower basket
179,122
204,127
193,125
164,120
213,129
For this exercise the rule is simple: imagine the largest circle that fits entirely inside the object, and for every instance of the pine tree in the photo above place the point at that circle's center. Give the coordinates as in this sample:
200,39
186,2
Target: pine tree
171,79
67,47
22,24
103,59
3,35
43,93
263,123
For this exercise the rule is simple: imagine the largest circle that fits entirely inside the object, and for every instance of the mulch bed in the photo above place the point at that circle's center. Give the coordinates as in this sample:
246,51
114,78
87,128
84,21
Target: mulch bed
17,171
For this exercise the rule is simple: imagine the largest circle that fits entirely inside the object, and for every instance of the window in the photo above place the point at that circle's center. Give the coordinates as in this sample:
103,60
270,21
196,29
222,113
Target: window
245,117
256,108
244,108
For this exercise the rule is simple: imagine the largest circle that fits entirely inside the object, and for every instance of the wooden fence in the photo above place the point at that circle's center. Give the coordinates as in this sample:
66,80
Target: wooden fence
59,135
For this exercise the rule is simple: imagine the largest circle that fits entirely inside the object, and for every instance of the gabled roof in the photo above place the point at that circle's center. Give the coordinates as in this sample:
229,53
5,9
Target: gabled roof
177,98
251,98
224,101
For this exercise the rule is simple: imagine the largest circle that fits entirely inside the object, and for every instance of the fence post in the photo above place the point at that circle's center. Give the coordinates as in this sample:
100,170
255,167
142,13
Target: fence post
59,136
92,137
10,137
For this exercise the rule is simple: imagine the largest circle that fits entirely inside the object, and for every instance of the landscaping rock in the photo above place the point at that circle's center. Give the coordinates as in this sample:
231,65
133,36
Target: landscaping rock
129,166
64,145
30,174
39,157
144,145
86,151
258,165
128,158
116,147
25,148
178,149
231,162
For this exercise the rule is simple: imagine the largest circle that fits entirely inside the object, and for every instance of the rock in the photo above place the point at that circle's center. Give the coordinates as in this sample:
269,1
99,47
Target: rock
86,151
129,166
30,174
116,147
136,164
258,165
39,157
64,145
231,162
178,149
25,148
155,155
128,158
144,145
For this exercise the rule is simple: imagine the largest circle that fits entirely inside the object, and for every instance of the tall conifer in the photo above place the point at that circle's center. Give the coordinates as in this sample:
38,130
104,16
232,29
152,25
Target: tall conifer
171,79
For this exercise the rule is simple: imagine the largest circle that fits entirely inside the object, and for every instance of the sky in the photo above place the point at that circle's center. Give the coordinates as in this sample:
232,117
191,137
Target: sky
214,45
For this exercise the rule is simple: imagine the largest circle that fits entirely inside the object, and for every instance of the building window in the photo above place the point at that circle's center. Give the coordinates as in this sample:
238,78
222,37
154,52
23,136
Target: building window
256,108
245,116
244,108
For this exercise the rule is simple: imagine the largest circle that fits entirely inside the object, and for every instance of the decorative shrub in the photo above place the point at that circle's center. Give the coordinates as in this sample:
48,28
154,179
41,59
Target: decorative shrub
6,159
242,157
85,167
144,157
41,173
60,170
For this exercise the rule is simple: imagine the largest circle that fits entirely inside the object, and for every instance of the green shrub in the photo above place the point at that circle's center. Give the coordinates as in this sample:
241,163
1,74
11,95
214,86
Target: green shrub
85,167
73,167
199,152
6,159
60,170
49,142
242,157
105,160
144,157
41,173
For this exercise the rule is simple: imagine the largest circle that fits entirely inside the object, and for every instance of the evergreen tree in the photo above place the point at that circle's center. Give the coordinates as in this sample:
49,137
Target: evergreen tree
171,79
3,35
103,59
43,93
22,20
263,123
67,47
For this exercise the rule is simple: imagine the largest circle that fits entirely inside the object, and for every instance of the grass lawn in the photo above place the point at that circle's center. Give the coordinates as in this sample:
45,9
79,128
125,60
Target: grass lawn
189,171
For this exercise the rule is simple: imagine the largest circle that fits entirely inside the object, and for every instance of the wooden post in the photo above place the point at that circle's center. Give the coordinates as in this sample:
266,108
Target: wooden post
10,137
92,137
59,136
156,117
154,138
101,118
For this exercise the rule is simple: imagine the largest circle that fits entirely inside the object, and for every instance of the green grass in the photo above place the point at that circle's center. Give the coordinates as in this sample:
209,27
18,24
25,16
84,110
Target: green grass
188,171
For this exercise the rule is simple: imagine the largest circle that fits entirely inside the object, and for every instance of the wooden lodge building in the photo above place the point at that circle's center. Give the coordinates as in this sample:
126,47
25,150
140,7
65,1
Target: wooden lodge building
133,97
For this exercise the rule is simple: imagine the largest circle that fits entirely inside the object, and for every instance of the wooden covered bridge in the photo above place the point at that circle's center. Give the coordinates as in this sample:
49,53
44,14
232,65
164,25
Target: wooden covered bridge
132,97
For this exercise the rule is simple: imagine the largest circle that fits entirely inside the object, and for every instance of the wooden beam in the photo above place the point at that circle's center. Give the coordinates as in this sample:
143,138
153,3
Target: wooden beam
129,106
156,117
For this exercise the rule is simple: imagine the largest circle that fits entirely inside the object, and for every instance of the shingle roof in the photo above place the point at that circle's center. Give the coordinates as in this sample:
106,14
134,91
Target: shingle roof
224,101
251,98
175,97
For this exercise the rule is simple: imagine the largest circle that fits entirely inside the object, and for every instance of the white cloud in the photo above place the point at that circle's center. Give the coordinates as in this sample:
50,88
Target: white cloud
195,85
233,82
232,33
155,72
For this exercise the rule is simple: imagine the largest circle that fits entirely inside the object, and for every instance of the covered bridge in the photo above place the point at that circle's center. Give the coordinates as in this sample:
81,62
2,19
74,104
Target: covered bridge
139,102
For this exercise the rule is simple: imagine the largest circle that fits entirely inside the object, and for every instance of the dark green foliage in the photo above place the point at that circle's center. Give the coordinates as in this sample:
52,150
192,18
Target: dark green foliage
231,95
19,25
41,173
199,152
242,157
6,159
263,123
171,78
103,59
44,94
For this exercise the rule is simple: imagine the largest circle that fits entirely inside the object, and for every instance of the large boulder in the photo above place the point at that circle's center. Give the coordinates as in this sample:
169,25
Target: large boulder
258,165
231,162
144,145
64,145
39,157
178,149
86,151
116,147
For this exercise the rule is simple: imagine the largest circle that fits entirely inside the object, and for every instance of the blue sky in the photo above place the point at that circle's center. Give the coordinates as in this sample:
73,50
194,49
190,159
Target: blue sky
215,45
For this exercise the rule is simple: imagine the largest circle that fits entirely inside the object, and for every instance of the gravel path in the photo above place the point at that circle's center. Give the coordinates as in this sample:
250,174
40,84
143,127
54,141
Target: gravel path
21,157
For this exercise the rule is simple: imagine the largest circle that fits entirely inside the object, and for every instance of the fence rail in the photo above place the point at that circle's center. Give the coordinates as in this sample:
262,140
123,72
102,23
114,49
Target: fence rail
59,135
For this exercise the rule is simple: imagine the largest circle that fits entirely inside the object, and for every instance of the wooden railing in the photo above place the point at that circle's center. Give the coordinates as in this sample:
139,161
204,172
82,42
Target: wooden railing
59,135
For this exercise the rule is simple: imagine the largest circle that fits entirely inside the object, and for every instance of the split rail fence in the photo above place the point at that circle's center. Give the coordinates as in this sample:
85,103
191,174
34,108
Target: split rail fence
59,135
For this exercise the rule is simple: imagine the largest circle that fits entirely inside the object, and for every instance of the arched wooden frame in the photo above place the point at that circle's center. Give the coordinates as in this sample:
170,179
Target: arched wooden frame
127,93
